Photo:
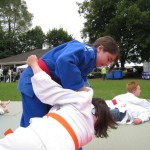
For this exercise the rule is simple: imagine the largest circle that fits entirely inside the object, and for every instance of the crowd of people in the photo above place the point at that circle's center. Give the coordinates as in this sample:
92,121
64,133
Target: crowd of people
9,75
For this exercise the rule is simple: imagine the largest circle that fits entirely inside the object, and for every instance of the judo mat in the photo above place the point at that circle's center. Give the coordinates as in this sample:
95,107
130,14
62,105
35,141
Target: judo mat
11,119
125,137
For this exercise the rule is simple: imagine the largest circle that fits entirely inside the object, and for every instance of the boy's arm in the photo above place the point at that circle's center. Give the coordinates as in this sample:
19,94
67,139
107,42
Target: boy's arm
142,117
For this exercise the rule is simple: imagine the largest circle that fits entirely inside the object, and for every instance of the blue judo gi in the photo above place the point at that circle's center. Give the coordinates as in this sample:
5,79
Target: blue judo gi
69,64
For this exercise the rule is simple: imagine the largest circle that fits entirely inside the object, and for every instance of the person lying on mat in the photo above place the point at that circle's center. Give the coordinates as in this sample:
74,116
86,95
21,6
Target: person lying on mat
129,108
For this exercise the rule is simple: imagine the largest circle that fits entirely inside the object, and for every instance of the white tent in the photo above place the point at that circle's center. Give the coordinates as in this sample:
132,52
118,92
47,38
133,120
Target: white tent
22,66
130,65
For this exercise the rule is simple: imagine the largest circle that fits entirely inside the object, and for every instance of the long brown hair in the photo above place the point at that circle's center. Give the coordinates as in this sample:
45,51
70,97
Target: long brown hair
104,118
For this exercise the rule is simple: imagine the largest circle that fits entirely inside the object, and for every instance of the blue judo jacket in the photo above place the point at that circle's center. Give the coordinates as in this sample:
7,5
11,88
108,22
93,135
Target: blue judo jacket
69,64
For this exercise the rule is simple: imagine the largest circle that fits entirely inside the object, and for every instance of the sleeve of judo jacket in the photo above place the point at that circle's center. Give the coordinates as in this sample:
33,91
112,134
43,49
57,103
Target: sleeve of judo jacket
139,101
145,116
50,92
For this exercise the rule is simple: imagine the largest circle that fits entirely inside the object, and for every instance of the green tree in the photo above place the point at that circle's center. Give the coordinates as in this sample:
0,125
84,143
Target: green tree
97,14
126,20
32,39
14,17
14,20
56,37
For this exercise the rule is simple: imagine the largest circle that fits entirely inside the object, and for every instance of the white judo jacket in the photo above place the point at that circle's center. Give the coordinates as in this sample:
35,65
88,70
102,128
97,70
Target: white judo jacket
135,107
75,107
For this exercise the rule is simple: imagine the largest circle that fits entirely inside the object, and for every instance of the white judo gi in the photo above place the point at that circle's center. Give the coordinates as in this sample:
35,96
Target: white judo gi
134,106
47,133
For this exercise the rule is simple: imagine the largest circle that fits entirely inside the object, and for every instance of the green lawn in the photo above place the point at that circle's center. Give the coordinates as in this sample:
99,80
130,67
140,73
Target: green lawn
109,88
8,91
105,89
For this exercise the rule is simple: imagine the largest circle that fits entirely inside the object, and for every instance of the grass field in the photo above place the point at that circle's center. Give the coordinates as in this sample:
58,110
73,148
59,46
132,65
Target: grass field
105,89
109,88
8,91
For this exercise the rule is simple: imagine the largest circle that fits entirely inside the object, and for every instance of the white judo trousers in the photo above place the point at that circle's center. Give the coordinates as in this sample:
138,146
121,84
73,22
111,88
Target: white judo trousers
47,133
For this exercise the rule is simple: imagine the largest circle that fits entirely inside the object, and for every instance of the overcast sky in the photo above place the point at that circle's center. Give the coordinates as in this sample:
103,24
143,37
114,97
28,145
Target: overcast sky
49,14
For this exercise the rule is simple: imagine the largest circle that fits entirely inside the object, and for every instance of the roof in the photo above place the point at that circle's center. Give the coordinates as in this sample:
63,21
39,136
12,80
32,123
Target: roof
21,58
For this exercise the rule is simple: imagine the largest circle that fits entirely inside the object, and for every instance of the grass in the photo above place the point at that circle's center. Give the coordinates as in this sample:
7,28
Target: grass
105,89
110,88
8,91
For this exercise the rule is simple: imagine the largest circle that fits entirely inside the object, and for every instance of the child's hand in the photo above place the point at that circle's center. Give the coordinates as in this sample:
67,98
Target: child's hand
137,121
32,60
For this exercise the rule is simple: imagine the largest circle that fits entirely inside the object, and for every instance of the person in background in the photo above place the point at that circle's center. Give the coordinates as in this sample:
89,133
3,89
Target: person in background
103,72
68,64
4,108
5,74
129,108
72,122
1,74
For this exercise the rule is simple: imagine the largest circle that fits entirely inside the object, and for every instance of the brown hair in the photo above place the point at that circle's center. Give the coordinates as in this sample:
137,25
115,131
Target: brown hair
111,46
104,118
132,86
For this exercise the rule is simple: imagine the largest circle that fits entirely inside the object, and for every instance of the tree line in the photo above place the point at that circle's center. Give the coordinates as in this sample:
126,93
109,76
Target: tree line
128,21
15,34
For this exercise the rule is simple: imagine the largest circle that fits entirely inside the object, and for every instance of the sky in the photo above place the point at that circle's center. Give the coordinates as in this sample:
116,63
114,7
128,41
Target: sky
49,14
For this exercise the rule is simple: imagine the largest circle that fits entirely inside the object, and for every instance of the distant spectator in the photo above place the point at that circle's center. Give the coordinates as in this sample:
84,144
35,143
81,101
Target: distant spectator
14,76
5,74
103,72
1,74
9,76
134,70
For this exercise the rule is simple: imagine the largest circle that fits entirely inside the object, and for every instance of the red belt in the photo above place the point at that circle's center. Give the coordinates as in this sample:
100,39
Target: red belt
63,122
44,67
114,101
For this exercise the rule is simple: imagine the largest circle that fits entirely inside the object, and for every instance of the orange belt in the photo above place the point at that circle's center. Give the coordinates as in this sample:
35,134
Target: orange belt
62,121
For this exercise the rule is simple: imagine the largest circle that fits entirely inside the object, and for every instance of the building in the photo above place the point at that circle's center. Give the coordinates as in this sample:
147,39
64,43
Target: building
20,59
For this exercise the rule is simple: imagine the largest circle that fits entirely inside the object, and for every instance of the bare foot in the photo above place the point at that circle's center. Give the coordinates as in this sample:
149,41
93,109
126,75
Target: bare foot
5,103
6,110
